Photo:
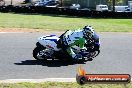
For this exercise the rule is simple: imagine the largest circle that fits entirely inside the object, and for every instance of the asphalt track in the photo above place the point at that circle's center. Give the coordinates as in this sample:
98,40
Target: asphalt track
16,61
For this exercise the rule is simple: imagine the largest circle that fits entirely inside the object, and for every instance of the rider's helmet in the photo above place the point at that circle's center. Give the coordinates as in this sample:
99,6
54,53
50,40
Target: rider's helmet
88,32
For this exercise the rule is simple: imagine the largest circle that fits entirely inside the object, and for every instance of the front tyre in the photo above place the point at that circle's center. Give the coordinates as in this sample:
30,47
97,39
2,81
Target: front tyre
38,53
95,53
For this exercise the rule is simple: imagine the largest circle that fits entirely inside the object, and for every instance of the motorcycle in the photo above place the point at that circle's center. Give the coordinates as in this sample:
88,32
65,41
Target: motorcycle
46,48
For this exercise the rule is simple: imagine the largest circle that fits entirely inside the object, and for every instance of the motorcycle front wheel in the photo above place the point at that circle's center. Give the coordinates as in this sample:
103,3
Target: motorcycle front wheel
95,53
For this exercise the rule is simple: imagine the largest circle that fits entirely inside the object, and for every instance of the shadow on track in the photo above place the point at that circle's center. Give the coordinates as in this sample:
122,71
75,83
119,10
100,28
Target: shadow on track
49,63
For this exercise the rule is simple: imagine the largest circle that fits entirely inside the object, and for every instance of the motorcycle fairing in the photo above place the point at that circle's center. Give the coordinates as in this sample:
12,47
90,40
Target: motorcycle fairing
49,41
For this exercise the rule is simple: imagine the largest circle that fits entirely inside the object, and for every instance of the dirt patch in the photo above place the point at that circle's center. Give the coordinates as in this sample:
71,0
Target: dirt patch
26,30
20,30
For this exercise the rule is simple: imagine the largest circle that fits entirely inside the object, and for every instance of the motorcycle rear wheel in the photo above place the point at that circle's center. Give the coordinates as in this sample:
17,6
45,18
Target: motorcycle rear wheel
37,53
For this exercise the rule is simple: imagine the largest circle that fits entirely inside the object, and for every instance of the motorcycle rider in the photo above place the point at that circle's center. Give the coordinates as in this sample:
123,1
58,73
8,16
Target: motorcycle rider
76,38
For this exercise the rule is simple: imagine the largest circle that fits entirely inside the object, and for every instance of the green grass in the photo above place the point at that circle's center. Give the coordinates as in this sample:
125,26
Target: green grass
63,85
62,22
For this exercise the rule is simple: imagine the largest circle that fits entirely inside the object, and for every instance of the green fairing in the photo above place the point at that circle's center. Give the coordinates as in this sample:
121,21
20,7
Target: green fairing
79,42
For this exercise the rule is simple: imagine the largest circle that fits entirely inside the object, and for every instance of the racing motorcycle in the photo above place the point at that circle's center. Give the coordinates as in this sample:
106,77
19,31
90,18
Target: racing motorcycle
47,48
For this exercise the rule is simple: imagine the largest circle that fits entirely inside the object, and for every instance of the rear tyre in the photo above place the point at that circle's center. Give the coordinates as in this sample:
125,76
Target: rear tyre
37,53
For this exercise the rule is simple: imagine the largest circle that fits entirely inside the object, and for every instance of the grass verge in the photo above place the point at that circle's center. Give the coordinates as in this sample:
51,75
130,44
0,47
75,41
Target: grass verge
63,85
62,22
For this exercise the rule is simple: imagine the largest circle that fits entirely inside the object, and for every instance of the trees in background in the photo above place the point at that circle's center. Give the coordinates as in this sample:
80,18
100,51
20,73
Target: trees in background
117,2
27,1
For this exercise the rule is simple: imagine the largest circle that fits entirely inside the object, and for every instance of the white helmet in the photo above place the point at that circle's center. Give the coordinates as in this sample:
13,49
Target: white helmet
88,31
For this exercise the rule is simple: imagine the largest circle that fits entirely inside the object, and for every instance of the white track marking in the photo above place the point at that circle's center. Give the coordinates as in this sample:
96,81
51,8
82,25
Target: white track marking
39,80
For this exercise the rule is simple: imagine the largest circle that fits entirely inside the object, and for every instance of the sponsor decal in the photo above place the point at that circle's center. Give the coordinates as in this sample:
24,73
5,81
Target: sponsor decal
83,78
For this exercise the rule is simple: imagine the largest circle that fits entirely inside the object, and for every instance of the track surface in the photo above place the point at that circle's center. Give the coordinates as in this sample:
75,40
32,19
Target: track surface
16,61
